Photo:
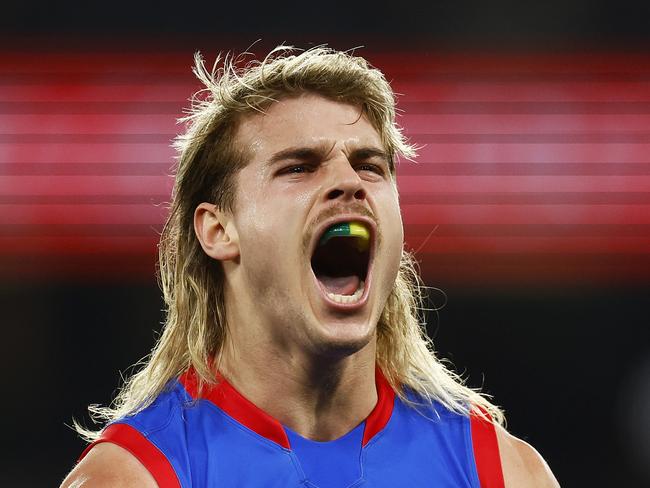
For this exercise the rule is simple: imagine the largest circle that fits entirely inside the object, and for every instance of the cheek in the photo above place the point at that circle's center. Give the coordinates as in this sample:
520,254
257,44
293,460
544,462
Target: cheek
393,236
394,231
266,242
258,239
259,263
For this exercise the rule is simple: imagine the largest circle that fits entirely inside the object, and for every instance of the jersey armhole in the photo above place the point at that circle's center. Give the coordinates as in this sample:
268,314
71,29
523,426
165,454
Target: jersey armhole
147,453
486,453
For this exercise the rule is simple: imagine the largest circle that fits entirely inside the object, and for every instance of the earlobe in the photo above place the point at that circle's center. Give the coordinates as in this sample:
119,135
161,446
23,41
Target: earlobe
216,232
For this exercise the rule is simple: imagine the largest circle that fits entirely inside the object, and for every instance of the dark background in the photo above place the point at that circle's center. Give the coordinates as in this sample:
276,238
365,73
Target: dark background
570,362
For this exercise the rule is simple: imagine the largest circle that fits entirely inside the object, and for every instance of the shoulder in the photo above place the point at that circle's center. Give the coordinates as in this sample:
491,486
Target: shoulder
138,444
522,465
97,470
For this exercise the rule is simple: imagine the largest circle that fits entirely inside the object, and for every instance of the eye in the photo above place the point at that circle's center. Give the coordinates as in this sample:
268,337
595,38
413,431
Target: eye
373,168
297,169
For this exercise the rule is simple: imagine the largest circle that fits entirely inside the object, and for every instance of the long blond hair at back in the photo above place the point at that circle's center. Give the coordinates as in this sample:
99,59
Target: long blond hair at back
192,283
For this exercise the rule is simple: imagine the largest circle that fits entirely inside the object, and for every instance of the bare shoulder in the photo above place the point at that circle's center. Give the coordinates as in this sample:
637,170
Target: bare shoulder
522,464
109,465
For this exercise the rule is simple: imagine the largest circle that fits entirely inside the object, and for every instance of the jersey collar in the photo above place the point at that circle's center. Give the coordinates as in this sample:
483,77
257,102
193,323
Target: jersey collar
235,405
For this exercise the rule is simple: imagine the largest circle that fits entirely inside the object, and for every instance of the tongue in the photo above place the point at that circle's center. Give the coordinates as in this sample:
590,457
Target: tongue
341,285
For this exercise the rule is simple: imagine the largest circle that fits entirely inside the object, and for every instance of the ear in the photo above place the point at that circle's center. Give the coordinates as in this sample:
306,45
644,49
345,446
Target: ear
216,232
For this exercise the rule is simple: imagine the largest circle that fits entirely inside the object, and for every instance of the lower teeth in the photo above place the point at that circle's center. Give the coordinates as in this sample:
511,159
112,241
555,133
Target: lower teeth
348,298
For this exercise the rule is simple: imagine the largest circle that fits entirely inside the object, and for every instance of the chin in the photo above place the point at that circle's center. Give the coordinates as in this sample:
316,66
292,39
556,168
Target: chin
343,338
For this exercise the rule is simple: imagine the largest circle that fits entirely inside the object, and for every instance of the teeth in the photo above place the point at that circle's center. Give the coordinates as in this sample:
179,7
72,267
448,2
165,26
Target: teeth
348,298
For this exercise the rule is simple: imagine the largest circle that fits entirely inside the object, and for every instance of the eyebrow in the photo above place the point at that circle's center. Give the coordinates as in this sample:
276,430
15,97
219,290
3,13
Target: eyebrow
320,151
301,153
370,152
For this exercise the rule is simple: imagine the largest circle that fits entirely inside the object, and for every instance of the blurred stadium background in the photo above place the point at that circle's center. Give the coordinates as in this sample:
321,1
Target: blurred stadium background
528,207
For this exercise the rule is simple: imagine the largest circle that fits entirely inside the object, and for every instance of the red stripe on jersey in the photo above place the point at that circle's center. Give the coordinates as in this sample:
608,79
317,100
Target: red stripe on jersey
234,404
486,453
149,455
380,415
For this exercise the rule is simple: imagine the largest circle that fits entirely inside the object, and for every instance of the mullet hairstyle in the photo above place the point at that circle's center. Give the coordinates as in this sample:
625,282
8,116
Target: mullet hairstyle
193,283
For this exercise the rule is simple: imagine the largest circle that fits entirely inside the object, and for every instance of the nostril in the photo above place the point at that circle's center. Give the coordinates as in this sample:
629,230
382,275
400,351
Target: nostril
334,194
360,194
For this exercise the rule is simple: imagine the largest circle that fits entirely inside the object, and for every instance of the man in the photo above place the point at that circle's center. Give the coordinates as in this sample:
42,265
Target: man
292,352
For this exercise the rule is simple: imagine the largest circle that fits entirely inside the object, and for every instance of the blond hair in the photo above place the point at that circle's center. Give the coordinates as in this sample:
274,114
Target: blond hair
192,283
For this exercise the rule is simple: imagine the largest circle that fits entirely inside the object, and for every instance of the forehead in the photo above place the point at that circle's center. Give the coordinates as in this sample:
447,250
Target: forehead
306,119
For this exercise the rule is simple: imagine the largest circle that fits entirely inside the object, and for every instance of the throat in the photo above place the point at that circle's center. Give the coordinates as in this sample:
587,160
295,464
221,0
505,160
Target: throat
340,285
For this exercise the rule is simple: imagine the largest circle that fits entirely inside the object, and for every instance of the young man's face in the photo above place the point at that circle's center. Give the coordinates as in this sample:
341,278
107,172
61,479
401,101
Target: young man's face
318,224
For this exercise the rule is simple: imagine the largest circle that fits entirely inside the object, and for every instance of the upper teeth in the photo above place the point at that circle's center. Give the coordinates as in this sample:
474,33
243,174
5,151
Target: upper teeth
348,298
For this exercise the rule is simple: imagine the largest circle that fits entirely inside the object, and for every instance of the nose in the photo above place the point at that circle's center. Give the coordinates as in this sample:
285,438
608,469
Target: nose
345,183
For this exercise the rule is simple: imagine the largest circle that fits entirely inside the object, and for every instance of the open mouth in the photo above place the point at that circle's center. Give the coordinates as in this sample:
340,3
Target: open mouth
341,261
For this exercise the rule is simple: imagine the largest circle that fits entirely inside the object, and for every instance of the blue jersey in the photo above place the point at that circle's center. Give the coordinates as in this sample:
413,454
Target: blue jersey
223,440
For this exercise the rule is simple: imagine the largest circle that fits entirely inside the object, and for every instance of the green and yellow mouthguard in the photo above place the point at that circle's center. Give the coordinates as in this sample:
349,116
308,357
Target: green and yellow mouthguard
349,229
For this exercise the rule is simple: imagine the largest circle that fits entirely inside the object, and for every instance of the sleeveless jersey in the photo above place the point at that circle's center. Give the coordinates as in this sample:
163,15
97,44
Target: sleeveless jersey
223,440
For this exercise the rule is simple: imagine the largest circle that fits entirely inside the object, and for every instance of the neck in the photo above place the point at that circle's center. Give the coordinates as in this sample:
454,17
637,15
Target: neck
319,398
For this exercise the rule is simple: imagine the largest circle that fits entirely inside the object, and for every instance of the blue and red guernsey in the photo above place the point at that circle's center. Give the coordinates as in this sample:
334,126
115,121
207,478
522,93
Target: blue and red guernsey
222,440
